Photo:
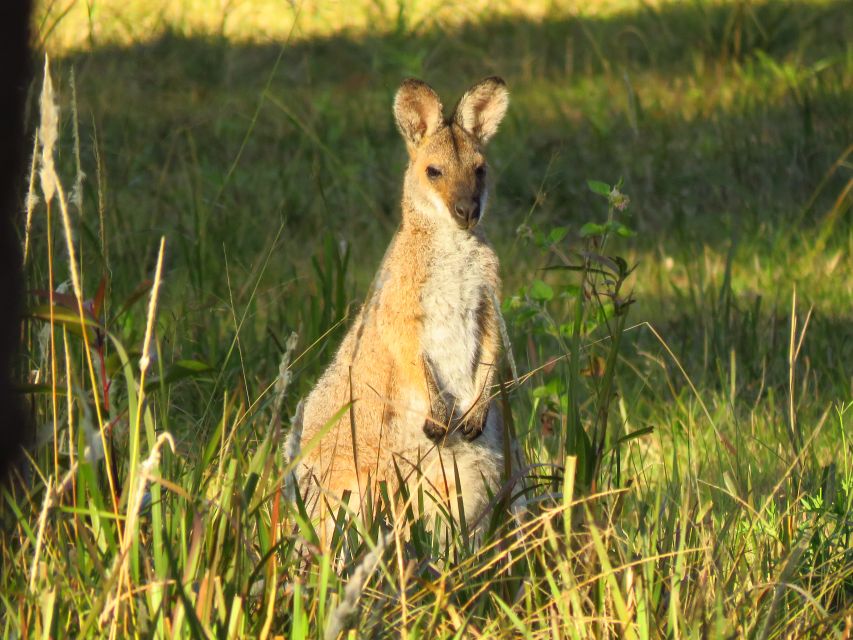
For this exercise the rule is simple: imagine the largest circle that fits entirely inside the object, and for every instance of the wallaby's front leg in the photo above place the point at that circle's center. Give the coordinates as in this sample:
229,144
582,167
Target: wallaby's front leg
474,420
436,424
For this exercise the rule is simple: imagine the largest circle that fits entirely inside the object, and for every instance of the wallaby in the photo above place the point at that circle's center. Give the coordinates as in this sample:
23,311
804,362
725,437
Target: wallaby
419,361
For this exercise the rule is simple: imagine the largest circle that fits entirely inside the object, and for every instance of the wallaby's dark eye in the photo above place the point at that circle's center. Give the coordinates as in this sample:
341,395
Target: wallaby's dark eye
480,171
433,172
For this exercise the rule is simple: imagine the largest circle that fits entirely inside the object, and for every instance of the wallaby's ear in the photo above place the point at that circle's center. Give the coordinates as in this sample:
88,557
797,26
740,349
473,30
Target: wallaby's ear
418,111
482,108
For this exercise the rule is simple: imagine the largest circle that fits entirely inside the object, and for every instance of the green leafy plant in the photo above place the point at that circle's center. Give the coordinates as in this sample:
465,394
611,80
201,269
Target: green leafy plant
584,314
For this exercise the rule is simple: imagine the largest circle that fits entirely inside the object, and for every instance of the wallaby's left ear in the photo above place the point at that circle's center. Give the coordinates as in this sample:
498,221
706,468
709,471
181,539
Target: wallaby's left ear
418,111
482,108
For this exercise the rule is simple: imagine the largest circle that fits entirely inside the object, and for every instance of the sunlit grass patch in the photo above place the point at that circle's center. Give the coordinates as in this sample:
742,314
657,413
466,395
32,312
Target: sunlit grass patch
67,25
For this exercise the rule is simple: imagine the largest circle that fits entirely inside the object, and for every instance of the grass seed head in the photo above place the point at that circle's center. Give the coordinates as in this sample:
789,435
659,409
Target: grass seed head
48,134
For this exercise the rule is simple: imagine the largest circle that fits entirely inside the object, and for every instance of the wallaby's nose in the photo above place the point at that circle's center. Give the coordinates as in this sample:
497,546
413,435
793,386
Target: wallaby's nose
467,212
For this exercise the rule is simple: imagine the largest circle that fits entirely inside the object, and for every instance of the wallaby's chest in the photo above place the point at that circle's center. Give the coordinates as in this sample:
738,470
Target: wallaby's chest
454,294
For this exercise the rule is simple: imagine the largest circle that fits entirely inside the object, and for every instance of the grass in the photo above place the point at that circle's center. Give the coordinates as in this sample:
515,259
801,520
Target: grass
696,470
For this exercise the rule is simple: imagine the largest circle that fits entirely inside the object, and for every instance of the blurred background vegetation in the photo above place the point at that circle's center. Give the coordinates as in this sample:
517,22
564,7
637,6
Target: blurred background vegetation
217,122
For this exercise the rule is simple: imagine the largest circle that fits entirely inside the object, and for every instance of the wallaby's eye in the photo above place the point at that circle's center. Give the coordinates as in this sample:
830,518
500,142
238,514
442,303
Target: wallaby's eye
480,171
433,172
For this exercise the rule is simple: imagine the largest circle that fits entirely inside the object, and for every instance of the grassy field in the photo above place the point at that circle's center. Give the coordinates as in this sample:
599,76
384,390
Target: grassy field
691,460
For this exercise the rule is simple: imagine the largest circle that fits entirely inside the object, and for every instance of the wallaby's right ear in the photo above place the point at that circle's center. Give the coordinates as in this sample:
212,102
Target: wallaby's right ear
418,111
482,108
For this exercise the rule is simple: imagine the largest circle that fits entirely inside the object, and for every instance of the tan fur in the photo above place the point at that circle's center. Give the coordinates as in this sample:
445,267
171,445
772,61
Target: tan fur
419,361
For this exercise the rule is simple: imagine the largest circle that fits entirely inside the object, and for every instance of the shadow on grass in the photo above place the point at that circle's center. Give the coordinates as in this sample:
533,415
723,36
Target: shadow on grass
754,346
722,120
711,114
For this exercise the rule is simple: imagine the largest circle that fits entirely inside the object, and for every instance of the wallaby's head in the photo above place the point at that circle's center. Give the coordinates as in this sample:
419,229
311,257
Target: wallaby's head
446,176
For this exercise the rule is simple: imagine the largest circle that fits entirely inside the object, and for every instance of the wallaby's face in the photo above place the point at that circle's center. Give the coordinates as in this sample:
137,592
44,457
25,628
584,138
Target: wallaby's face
446,176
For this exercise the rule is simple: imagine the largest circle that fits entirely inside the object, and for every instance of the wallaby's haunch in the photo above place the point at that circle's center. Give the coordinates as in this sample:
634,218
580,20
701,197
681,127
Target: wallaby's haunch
419,361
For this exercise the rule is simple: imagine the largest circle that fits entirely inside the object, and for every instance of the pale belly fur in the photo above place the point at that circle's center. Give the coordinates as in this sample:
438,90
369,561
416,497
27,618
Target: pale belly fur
455,290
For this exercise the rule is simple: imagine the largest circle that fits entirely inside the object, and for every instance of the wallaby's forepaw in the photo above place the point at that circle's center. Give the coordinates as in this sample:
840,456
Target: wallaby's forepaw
434,430
474,423
471,426
471,430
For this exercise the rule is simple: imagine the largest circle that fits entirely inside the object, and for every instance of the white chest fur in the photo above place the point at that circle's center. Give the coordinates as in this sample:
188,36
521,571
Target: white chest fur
455,290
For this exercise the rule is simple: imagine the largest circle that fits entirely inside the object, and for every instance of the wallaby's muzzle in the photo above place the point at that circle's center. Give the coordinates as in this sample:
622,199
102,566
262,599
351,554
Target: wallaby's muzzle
466,212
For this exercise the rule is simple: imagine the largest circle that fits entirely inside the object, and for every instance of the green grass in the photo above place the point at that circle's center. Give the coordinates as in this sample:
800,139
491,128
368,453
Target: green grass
258,140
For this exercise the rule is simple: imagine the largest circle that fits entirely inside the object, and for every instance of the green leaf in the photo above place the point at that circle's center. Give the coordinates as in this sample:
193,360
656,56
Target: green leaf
592,229
61,315
547,390
567,329
540,291
525,315
557,234
621,264
570,291
178,371
604,261
516,621
623,231
604,312
638,433
195,366
601,188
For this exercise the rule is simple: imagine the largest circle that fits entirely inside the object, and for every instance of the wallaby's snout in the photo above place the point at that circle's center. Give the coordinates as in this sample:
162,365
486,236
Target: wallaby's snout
446,177
467,211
